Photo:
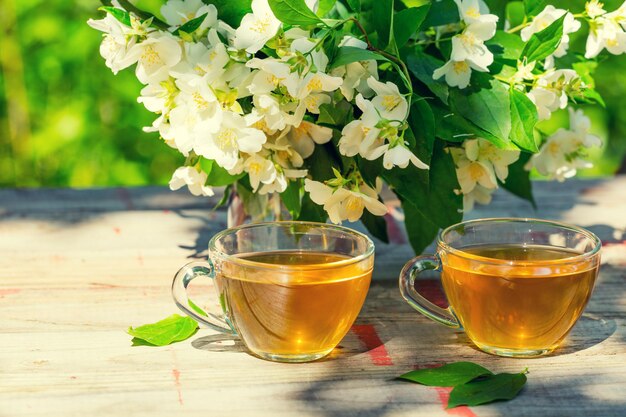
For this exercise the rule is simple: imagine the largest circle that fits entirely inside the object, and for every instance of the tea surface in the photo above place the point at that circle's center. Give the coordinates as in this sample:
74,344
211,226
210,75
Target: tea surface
307,309
531,303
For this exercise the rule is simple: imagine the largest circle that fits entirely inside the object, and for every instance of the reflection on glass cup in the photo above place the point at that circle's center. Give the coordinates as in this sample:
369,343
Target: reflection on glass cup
515,286
289,290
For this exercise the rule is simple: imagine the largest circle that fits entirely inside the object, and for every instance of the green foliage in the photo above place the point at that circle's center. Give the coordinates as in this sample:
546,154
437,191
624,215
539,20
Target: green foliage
407,22
383,21
294,12
523,120
231,11
488,108
545,42
348,54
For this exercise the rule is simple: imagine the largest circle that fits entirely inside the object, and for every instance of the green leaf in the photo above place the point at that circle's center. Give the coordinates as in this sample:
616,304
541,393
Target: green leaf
523,120
294,12
231,11
355,5
322,162
376,225
434,198
335,115
172,329
488,108
191,25
325,6
216,175
488,389
449,375
518,182
422,124
122,15
533,7
406,22
292,197
545,42
441,13
510,45
312,212
383,21
422,67
348,54
143,15
370,170
420,230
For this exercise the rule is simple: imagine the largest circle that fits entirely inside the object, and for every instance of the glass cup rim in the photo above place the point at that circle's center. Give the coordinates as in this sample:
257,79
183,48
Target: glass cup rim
214,252
484,259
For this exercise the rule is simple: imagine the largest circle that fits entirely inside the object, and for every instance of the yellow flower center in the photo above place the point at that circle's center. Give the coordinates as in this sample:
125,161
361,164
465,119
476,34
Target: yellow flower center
476,171
261,25
554,148
226,139
467,38
390,102
460,67
312,103
473,12
199,101
150,56
611,42
315,84
302,130
254,168
354,204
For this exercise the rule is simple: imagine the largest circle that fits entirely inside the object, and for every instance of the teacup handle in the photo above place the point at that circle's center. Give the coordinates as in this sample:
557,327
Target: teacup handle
182,279
415,299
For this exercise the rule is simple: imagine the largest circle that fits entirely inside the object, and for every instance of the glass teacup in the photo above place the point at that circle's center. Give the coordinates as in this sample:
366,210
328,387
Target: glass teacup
289,290
515,286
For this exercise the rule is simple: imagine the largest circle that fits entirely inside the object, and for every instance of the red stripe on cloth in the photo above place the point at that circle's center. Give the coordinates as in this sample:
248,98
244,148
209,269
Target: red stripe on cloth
461,411
375,347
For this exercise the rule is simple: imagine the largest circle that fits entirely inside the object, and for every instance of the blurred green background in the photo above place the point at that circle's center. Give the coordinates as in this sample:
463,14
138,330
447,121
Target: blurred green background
66,120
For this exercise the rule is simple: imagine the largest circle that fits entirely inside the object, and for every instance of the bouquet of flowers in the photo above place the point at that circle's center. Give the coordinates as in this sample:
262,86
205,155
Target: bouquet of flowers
317,103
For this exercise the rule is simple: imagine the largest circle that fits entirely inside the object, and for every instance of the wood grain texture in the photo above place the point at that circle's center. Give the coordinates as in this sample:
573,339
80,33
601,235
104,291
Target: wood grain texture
80,266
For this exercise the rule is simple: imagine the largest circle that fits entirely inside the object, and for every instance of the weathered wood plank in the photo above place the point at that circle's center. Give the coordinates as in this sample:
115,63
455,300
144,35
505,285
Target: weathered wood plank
79,266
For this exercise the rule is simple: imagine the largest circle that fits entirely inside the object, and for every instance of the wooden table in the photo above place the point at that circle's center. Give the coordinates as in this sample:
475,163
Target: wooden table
80,266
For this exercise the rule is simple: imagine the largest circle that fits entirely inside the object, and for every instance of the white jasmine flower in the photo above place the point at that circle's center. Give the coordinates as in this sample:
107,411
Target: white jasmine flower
594,9
478,166
312,90
457,73
231,137
159,52
544,19
524,72
479,195
115,42
476,11
260,170
283,153
388,101
606,32
549,92
355,74
179,12
400,156
563,152
193,179
159,97
343,204
256,28
304,137
355,133
482,150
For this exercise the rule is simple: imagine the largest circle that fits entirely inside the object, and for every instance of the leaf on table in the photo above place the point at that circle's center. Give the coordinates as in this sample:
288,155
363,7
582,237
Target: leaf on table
485,390
175,328
448,375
